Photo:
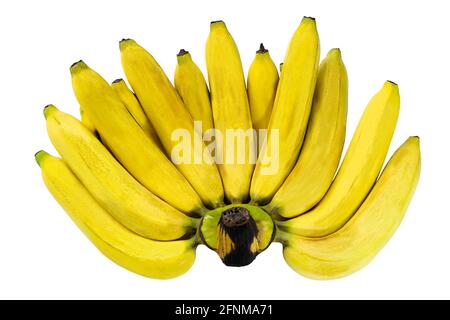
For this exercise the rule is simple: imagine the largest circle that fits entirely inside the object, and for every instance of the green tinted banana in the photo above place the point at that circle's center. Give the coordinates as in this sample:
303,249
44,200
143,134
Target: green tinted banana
155,259
262,81
357,243
319,158
359,170
192,88
133,106
290,112
167,113
110,184
139,154
230,111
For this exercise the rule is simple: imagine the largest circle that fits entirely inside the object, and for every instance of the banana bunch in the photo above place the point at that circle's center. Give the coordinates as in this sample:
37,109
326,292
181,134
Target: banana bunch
149,172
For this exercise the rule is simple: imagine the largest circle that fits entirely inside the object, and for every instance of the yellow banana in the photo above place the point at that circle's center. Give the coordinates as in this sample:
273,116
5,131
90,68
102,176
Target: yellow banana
357,243
167,113
290,112
192,88
139,154
87,121
359,170
155,259
110,184
231,112
133,106
319,158
262,81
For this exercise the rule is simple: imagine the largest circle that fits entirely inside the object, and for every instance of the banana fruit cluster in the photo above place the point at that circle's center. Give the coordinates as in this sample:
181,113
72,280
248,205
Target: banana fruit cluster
121,178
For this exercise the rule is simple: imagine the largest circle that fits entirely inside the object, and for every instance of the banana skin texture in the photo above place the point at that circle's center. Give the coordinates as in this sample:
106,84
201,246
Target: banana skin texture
290,112
230,109
119,181
167,113
357,243
154,259
314,171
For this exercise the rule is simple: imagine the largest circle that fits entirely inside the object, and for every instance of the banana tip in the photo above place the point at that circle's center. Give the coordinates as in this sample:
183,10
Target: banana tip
77,66
262,49
309,18
335,52
39,156
48,109
217,23
182,52
392,82
125,43
117,80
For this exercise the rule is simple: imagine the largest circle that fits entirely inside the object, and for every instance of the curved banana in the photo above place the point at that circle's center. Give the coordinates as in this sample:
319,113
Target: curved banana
262,81
155,259
191,86
319,158
231,112
133,106
168,115
139,154
290,114
357,243
359,170
110,184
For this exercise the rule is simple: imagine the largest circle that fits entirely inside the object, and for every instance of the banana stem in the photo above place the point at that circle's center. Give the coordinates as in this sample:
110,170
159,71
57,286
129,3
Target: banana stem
281,236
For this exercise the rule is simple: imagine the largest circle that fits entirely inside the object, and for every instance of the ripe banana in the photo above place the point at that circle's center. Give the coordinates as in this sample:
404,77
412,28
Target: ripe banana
191,86
167,113
140,155
148,212
319,158
359,169
357,243
110,184
155,259
133,106
230,111
262,81
290,112
87,121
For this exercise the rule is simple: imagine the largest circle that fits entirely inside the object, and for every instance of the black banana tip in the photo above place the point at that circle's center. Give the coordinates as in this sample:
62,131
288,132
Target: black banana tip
217,24
77,66
182,53
75,63
392,82
125,42
262,49
117,80
309,18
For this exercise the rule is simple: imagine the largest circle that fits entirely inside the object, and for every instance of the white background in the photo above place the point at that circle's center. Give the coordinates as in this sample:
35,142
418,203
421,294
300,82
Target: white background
43,254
